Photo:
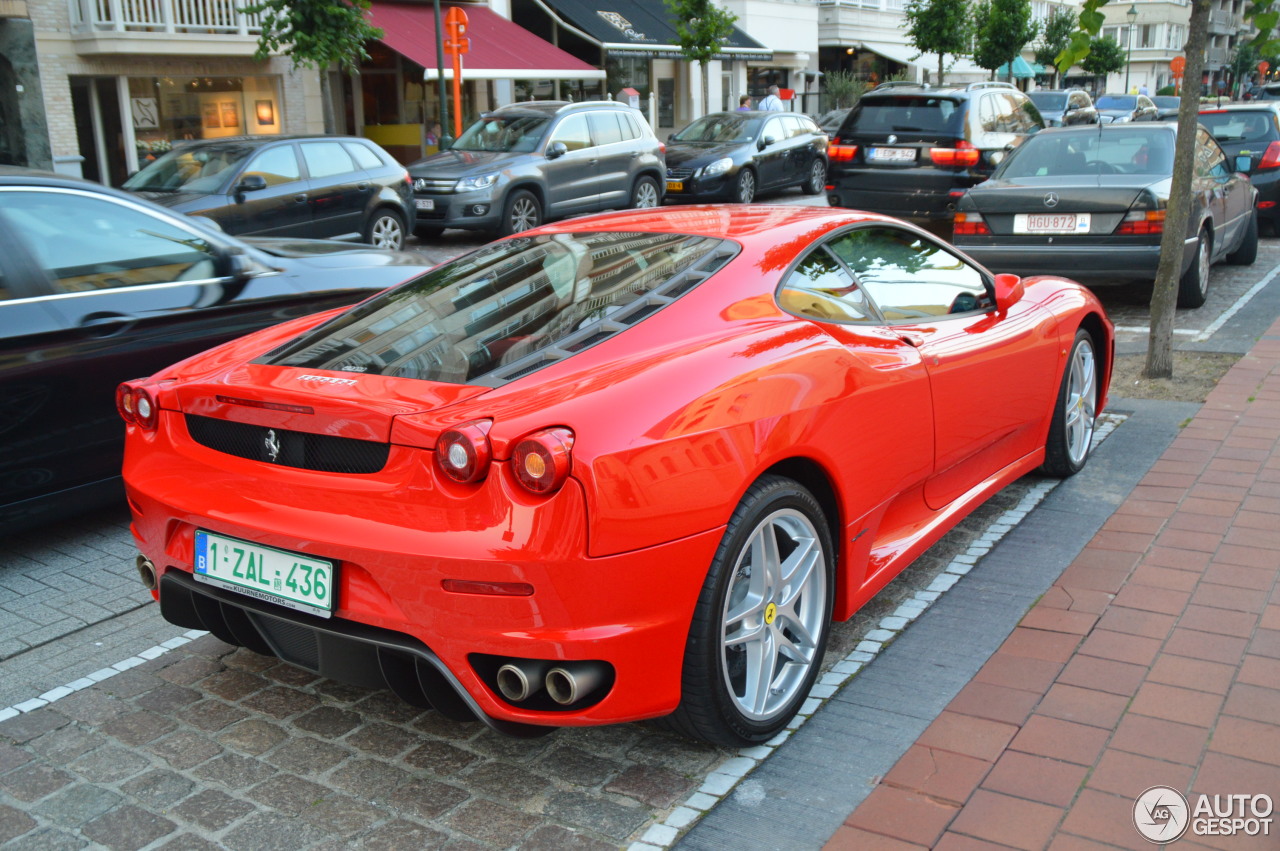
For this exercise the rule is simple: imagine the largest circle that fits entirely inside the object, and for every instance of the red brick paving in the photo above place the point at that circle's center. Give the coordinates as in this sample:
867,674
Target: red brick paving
1153,660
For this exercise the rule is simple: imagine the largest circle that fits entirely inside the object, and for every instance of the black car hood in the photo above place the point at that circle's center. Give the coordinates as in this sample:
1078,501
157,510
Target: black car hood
448,164
694,154
332,254
183,202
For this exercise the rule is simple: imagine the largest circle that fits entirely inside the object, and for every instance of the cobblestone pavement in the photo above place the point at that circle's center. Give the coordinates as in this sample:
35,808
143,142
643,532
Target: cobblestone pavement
152,740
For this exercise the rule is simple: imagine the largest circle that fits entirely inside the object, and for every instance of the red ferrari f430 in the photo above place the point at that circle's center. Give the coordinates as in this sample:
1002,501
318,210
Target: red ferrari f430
623,467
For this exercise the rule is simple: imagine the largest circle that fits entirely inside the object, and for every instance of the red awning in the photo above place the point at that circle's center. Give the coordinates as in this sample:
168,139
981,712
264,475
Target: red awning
500,50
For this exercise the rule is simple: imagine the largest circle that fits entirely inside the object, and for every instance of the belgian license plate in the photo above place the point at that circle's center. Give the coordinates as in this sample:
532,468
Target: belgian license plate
893,155
424,203
277,576
1051,223
675,186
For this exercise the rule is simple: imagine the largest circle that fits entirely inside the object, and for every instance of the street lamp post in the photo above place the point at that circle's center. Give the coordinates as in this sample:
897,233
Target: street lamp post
1132,15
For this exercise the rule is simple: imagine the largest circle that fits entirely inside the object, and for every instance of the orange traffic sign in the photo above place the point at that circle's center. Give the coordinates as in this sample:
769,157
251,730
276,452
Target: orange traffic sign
1177,64
455,30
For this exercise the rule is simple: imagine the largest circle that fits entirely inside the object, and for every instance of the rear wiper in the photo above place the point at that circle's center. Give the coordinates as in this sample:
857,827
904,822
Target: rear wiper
906,128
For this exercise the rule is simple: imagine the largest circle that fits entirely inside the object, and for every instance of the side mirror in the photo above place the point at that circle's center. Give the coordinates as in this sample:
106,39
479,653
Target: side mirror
1009,291
1244,164
239,267
556,150
767,141
251,183
671,137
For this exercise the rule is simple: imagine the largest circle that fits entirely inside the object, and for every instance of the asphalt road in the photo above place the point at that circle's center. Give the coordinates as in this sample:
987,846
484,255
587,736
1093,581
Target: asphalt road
117,729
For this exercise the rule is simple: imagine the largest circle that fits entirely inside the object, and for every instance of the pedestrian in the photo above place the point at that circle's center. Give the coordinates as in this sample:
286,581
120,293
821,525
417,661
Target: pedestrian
1143,90
771,102
433,135
744,103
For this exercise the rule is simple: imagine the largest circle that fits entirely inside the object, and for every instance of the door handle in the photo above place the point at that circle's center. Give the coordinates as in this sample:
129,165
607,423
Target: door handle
362,186
106,323
911,339
301,197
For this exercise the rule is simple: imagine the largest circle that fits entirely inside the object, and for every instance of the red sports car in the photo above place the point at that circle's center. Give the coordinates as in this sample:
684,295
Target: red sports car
614,468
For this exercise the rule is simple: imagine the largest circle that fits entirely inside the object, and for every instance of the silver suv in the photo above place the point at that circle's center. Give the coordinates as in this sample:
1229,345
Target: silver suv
527,163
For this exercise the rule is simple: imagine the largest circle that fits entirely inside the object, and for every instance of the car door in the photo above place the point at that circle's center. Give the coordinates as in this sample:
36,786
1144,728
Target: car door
281,207
772,162
338,190
126,291
616,157
993,375
572,178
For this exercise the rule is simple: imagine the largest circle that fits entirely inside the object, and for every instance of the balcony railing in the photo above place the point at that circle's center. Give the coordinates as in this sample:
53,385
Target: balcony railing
163,16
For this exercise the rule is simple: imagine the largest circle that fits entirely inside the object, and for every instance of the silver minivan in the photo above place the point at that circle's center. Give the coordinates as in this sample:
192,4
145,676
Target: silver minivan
528,163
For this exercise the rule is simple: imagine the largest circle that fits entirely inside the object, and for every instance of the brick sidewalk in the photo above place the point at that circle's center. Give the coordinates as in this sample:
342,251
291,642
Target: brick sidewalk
1153,660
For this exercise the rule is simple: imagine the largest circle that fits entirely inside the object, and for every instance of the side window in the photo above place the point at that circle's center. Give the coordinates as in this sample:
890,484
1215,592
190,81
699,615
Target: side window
987,114
910,277
364,157
326,159
574,133
776,129
1210,161
86,243
637,128
1079,102
1025,115
604,127
275,165
820,288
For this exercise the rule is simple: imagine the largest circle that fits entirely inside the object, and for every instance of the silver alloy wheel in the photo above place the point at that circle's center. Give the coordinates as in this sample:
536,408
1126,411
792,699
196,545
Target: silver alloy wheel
387,232
1202,262
746,186
646,195
817,177
773,614
1082,402
524,215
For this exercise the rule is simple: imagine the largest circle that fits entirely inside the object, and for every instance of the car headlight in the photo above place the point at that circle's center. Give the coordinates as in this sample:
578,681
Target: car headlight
469,184
1121,119
717,167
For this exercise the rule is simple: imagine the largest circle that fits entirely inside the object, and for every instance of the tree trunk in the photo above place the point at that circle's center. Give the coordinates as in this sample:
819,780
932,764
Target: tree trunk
706,86
941,58
1164,298
326,105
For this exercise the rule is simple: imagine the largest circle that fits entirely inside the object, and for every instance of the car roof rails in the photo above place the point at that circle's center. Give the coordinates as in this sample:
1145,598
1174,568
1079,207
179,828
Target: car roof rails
990,84
900,84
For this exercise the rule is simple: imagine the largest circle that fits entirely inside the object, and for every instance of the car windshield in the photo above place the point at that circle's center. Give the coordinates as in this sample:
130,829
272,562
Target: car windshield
1240,126
904,114
1166,101
1116,102
507,304
1049,100
504,134
1145,151
721,127
191,168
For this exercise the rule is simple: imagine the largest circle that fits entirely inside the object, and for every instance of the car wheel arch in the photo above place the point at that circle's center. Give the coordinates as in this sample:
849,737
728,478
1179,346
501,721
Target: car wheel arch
532,186
1103,345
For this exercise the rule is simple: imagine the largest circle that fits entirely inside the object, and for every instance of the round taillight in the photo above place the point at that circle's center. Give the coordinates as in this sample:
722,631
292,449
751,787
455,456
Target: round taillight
541,461
137,404
463,453
124,402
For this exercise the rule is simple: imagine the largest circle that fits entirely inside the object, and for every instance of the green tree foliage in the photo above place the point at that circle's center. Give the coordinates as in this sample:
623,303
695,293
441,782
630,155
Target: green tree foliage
1055,38
701,28
316,33
939,26
843,88
1004,27
1105,56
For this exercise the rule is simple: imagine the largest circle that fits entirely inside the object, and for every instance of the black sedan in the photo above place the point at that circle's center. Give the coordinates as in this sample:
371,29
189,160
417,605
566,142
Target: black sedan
1118,109
1167,107
1252,130
1093,200
327,187
734,155
1065,107
98,287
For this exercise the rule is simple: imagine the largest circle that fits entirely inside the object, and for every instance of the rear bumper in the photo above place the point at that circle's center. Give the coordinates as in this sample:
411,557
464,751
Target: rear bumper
1121,262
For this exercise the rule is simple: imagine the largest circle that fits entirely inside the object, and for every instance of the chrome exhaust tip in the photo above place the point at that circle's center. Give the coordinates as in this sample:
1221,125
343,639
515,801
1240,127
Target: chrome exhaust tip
570,682
147,572
521,680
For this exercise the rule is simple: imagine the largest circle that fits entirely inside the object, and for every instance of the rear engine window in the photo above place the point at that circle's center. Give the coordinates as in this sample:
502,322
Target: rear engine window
510,308
904,114
1241,126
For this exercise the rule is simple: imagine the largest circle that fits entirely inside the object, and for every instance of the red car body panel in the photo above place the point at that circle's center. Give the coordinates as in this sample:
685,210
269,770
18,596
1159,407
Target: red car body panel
908,426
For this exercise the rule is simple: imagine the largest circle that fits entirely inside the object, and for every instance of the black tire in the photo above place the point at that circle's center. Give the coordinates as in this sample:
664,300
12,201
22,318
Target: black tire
428,231
744,188
1247,252
385,229
817,178
710,709
1193,287
521,212
1071,430
646,194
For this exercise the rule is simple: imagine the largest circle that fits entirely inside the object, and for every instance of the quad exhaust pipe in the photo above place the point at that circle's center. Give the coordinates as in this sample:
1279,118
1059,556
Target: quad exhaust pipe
147,573
565,683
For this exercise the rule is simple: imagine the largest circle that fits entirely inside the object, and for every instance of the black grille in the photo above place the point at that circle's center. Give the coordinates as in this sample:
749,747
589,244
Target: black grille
679,173
321,452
